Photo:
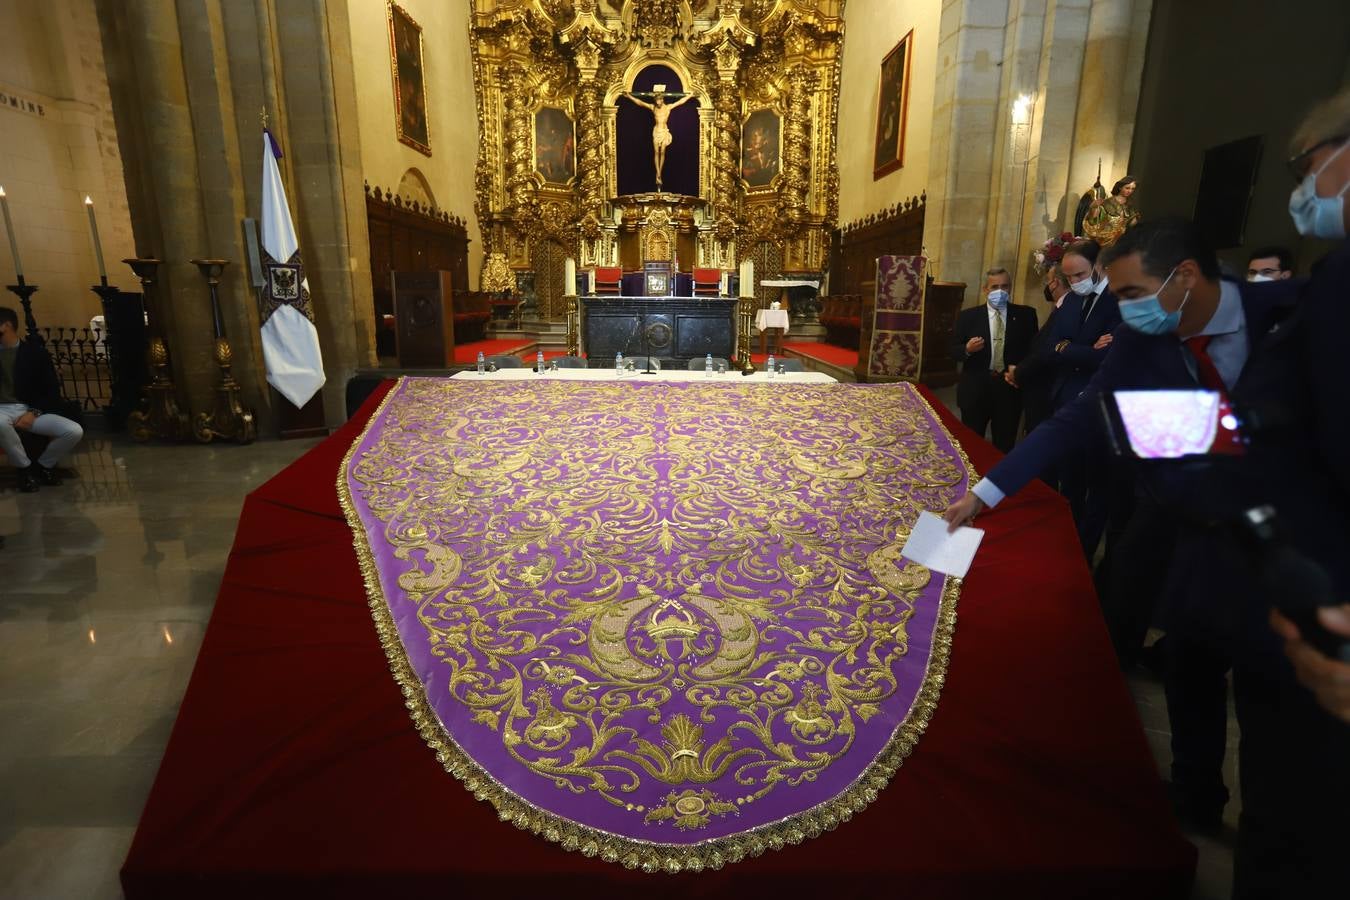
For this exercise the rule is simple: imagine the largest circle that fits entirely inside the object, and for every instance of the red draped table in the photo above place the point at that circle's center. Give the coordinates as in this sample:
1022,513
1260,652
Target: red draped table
294,769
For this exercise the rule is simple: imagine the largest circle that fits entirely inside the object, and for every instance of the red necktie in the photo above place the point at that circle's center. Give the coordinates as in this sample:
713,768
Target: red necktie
1209,373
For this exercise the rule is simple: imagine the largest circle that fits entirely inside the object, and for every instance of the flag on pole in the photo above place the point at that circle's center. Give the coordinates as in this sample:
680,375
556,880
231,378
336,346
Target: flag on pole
290,341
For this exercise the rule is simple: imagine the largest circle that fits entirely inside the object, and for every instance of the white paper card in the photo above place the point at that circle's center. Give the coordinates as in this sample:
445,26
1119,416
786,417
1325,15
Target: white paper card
931,546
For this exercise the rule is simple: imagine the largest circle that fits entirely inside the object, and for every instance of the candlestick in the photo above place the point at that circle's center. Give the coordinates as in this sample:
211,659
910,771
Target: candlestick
93,232
570,277
9,229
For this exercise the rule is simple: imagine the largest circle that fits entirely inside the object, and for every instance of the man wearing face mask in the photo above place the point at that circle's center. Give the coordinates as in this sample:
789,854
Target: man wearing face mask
1320,163
1034,376
1082,339
1186,328
1270,264
988,339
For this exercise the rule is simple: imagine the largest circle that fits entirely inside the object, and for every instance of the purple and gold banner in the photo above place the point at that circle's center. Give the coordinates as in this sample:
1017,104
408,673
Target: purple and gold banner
666,624
896,349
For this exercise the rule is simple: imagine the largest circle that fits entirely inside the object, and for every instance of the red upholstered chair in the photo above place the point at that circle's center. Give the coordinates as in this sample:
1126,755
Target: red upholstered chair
608,280
707,282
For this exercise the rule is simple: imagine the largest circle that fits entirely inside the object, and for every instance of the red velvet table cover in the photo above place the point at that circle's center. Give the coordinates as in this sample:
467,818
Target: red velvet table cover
294,769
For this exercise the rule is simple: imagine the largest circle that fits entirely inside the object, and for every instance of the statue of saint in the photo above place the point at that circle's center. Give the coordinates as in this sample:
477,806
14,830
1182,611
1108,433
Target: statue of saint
661,130
1109,217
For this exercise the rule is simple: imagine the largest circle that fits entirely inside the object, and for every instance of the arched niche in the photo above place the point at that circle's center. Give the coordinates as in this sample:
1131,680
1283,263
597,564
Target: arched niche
414,186
636,171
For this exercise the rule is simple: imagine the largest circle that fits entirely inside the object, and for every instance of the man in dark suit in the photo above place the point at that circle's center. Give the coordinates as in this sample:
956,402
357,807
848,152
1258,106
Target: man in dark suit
988,339
1081,341
1034,376
1187,329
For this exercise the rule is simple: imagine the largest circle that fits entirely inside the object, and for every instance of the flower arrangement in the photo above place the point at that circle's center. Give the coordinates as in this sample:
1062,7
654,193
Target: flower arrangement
1052,251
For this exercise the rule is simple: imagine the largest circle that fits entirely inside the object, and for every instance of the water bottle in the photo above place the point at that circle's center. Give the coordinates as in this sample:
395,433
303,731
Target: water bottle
482,362
539,362
769,366
707,367
618,364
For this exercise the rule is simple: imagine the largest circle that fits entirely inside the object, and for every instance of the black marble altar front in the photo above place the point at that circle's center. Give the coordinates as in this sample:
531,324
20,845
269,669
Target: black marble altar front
675,328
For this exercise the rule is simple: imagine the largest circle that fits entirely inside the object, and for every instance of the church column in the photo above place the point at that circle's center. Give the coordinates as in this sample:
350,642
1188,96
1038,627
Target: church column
797,147
1113,61
965,103
187,94
590,167
178,161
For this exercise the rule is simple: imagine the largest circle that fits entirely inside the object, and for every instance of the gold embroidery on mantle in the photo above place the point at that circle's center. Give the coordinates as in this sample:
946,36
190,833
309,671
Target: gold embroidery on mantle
671,622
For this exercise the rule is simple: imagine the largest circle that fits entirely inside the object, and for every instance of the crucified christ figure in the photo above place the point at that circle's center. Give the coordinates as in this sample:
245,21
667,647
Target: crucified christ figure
661,131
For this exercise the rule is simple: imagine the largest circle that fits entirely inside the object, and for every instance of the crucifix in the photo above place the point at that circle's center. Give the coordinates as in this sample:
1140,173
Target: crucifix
661,137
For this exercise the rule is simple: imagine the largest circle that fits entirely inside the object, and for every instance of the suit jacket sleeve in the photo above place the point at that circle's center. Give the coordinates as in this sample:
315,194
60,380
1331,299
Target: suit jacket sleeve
959,337
1074,430
1325,310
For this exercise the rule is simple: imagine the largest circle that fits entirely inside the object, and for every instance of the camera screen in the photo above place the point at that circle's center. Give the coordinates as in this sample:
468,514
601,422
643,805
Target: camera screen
1171,424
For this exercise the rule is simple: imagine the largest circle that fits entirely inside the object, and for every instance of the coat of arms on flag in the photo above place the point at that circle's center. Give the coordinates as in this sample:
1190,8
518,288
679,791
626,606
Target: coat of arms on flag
290,341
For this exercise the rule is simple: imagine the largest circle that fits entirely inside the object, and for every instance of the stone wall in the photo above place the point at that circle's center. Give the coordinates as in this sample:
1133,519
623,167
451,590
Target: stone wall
451,108
1029,94
871,29
58,143
1214,76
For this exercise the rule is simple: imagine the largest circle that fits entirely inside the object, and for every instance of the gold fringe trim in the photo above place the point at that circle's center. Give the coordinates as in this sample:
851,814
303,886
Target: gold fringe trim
632,853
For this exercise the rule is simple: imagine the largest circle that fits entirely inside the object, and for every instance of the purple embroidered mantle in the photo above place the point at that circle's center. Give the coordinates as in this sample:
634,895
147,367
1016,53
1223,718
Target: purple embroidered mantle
666,623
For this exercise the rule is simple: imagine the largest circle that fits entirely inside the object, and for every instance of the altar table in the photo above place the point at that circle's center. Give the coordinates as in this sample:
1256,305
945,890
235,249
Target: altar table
776,319
607,373
293,769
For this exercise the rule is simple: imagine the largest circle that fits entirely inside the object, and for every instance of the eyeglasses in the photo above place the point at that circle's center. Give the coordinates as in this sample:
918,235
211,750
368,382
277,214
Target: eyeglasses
1269,272
1298,163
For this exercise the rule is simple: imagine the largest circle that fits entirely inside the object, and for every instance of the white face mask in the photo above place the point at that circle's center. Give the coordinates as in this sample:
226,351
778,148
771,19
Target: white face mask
1315,216
1085,287
1255,278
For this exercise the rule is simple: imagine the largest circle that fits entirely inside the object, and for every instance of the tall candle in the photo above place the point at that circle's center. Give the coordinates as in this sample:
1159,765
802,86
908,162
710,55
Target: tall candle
93,232
9,229
570,277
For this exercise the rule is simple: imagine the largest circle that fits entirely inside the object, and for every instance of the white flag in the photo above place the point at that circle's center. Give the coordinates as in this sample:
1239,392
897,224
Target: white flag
290,342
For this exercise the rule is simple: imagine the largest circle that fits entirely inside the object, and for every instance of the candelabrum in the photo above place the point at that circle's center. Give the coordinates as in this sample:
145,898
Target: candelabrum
229,420
573,326
746,310
157,414
25,293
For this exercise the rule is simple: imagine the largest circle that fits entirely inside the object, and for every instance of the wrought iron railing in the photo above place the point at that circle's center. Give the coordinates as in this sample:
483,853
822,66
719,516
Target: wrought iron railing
81,359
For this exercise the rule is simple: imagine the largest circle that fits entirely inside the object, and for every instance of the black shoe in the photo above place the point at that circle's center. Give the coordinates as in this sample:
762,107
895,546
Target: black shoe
45,475
1200,811
28,483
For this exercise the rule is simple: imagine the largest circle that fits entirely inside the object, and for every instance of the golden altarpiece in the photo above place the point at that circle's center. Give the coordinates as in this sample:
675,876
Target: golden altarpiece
773,64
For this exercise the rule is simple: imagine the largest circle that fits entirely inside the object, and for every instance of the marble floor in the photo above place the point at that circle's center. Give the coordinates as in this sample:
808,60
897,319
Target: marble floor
107,586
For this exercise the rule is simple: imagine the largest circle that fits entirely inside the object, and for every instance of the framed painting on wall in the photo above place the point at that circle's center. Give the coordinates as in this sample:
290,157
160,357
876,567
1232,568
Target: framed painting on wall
761,148
892,108
555,146
410,89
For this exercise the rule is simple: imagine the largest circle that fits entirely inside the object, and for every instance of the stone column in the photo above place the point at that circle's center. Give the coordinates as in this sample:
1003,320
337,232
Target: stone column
965,103
1113,60
190,80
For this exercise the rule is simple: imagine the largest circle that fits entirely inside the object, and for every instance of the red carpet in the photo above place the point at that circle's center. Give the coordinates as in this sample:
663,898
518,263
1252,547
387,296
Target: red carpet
467,354
293,769
842,357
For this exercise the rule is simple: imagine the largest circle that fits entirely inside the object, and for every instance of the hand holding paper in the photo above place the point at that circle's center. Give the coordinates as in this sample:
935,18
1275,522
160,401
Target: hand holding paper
932,546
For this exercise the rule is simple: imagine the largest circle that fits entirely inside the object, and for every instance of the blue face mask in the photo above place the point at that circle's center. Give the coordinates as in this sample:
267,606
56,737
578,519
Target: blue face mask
1315,216
998,299
1146,314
